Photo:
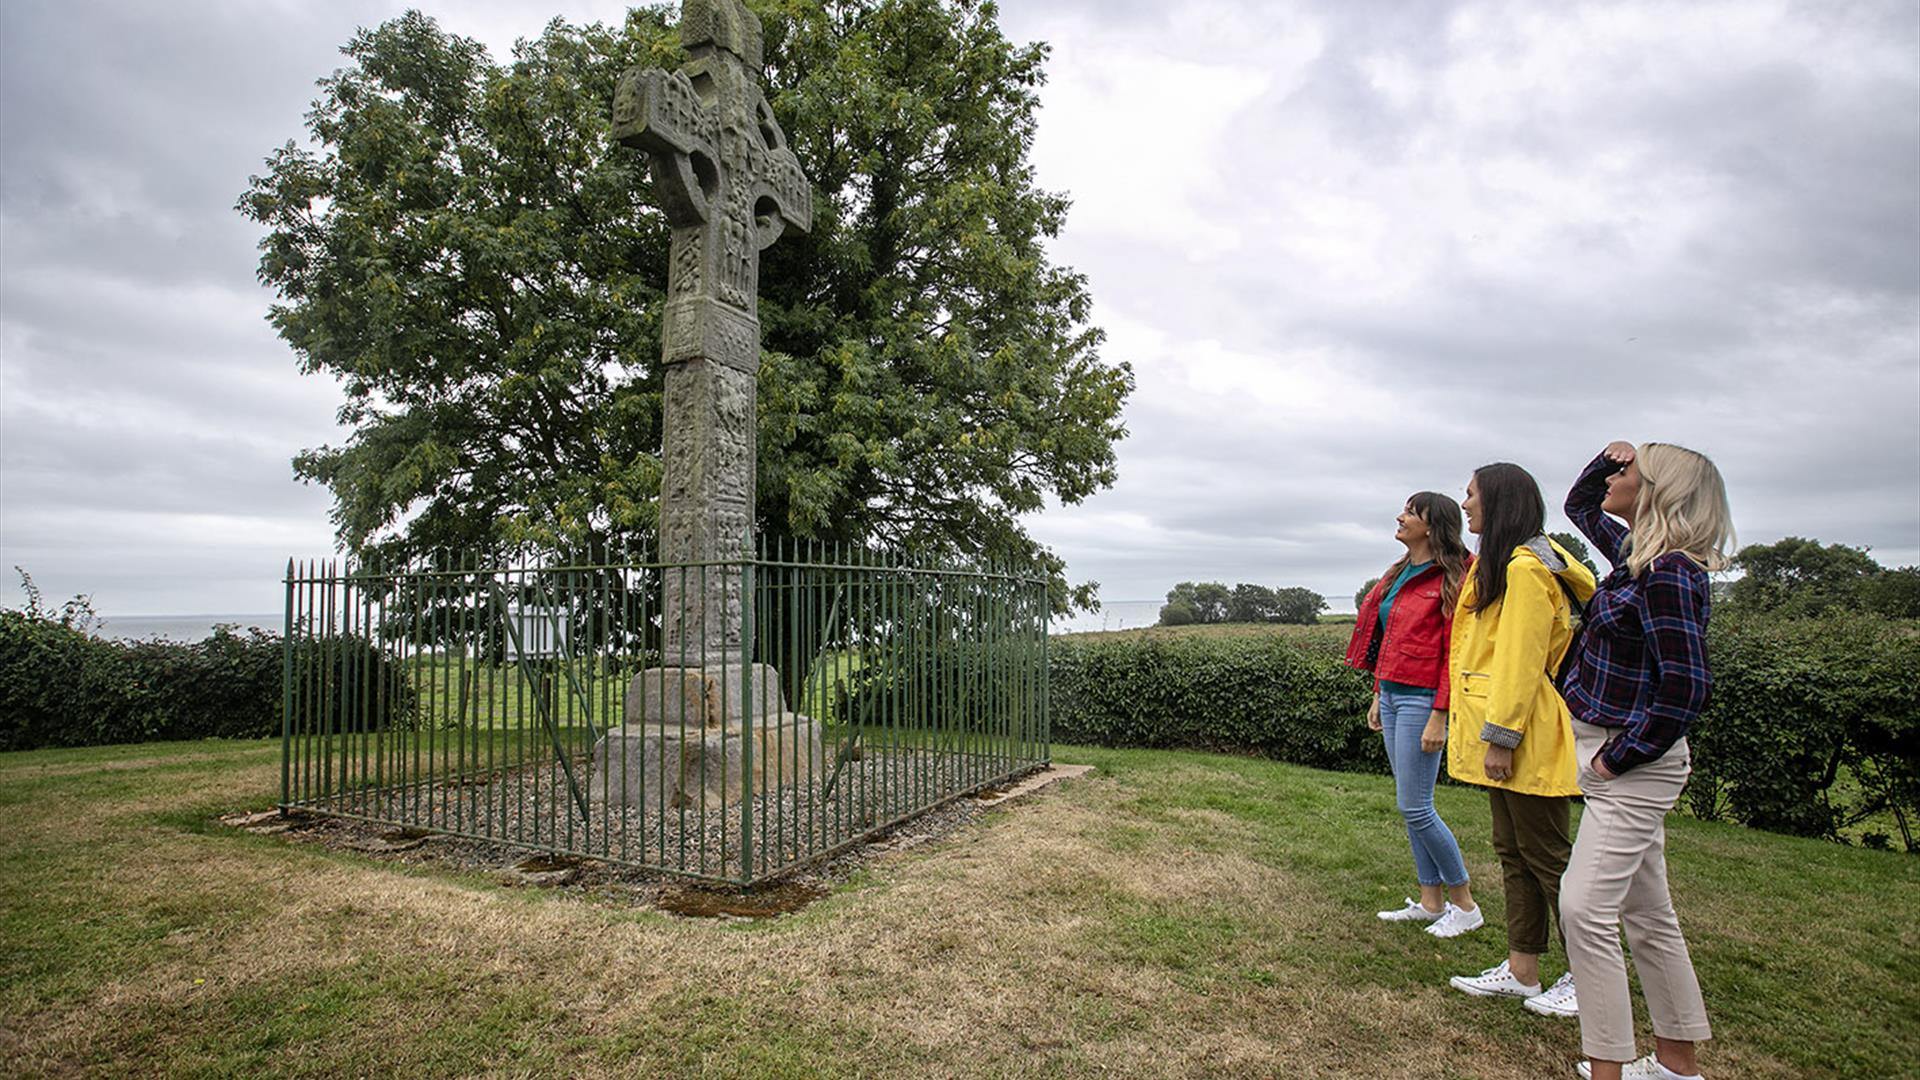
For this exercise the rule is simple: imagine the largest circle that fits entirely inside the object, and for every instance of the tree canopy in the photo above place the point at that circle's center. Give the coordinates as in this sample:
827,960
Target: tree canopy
1798,576
1196,602
1577,548
1297,604
1360,595
1212,602
463,248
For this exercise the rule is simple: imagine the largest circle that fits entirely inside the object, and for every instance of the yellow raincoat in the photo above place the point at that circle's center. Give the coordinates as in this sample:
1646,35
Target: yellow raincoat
1502,671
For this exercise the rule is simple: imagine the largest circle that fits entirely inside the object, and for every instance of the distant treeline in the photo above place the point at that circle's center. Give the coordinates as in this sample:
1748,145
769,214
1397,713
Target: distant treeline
1192,603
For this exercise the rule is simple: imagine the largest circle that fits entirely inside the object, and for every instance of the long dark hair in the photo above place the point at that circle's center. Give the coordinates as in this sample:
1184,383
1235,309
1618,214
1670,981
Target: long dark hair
1511,513
1442,516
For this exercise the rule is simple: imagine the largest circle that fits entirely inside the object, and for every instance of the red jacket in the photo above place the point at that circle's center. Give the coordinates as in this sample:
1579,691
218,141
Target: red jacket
1413,648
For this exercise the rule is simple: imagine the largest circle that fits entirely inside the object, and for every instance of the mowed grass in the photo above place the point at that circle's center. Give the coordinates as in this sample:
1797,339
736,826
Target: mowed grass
1175,915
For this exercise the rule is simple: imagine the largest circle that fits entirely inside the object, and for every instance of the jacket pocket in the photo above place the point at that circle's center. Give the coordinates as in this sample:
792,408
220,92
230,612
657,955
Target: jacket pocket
1475,683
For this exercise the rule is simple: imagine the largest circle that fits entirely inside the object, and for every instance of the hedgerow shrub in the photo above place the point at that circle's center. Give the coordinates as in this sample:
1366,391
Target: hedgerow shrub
1285,697
44,667
1799,705
1813,725
340,682
61,687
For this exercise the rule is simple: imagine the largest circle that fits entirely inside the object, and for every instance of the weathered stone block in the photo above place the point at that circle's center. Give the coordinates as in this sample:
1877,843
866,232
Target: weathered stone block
660,765
703,697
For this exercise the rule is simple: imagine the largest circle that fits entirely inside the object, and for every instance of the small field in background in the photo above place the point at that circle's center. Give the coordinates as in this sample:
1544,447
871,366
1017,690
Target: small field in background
1176,915
456,691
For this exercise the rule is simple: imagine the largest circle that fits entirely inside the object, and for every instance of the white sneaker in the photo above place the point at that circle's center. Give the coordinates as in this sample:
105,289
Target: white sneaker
1454,922
1646,1068
1413,912
1494,982
1557,1000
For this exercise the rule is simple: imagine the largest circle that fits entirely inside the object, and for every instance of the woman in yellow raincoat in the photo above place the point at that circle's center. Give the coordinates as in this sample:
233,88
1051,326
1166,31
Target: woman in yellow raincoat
1509,731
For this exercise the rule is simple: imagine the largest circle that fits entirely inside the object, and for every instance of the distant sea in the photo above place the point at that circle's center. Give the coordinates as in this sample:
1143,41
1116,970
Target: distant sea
1113,615
180,627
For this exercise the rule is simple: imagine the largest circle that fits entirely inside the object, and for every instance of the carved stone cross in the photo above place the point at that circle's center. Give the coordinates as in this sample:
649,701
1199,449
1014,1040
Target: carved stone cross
729,185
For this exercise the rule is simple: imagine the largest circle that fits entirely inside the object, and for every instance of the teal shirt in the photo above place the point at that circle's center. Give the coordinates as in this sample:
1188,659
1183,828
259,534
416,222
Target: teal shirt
1412,571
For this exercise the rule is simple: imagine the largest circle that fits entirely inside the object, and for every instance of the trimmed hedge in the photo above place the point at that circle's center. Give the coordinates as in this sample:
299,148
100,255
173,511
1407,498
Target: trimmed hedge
61,687
1813,726
1281,695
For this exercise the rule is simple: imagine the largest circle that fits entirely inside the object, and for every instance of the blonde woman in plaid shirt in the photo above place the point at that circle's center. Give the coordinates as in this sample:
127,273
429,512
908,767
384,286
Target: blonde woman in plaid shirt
1635,683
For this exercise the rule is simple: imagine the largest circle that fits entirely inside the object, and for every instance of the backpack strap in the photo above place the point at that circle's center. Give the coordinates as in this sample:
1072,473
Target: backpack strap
1544,549
1576,611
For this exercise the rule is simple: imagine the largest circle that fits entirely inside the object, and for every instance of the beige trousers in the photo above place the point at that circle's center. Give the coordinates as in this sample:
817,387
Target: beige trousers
1617,878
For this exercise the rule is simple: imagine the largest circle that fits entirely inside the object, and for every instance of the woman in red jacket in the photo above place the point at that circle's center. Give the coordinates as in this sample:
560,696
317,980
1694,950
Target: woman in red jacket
1401,637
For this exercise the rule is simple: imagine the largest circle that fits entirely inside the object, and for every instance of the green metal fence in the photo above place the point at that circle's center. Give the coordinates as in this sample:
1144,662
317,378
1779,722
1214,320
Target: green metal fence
790,704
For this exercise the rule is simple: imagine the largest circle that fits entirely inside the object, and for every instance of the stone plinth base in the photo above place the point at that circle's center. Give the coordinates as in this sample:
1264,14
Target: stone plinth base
661,765
703,697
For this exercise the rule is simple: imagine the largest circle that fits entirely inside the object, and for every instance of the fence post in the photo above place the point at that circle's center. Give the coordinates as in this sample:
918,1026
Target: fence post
746,717
286,697
1046,683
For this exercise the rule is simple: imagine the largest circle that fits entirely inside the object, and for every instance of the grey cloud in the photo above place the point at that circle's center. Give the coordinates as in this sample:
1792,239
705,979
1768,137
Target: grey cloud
1784,339
149,413
135,246
147,325
1806,262
129,570
179,472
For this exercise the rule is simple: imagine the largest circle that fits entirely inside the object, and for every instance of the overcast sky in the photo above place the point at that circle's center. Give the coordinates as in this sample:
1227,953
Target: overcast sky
1352,250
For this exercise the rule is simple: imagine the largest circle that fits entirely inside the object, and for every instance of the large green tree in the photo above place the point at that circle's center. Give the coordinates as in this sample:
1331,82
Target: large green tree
462,247
1360,597
1797,576
1298,605
1196,602
1577,548
1252,603
1894,593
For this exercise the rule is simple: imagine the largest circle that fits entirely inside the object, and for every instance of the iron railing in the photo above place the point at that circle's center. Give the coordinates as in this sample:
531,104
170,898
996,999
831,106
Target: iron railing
531,704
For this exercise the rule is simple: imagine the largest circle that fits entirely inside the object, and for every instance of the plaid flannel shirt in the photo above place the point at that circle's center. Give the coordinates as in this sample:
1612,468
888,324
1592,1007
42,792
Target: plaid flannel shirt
1641,663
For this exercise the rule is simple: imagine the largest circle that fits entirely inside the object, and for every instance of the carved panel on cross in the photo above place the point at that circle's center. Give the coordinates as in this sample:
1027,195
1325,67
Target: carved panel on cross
739,250
733,443
685,274
699,328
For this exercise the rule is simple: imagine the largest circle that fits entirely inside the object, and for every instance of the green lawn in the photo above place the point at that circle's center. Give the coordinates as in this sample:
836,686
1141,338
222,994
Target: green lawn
1175,915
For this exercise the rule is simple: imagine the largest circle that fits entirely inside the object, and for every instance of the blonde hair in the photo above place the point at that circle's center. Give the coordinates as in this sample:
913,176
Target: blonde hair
1681,506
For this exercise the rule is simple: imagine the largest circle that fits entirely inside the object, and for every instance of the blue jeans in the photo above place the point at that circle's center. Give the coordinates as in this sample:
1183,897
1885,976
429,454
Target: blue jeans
1403,716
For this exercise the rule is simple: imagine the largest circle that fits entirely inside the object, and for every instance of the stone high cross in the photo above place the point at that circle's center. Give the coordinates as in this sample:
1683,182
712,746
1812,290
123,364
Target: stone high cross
729,185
